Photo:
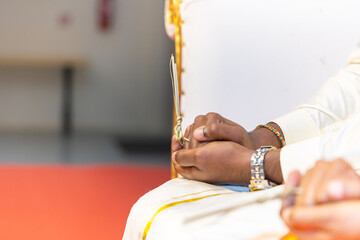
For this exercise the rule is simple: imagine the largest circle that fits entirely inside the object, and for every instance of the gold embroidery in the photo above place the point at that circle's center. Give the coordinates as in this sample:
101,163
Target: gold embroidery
354,61
148,225
174,9
191,194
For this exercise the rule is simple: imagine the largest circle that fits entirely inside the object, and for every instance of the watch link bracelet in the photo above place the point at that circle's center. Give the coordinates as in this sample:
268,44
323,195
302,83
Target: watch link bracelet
258,181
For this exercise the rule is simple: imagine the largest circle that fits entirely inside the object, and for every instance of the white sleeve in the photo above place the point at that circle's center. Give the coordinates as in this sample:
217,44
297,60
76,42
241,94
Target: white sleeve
337,100
341,143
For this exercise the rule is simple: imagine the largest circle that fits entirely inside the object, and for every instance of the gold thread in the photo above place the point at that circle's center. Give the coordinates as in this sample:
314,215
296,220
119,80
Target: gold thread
191,194
148,225
355,60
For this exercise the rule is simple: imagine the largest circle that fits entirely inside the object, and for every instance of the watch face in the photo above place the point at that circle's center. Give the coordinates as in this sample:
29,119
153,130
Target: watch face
268,148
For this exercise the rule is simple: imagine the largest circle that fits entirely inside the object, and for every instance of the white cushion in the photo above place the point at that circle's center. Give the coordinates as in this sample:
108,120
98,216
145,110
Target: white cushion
254,60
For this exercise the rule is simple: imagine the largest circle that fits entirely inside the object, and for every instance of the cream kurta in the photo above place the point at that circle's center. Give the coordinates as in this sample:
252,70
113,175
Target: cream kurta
327,127
311,126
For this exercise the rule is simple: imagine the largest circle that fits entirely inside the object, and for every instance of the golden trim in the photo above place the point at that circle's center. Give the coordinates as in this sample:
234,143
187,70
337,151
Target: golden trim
191,194
148,225
175,19
355,60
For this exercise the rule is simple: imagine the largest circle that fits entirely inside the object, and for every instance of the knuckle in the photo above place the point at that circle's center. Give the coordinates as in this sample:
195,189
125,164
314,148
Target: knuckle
212,115
320,164
213,129
198,118
308,173
339,162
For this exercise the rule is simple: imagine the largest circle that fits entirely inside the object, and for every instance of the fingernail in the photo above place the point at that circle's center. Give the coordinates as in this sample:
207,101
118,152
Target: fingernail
173,157
336,189
199,133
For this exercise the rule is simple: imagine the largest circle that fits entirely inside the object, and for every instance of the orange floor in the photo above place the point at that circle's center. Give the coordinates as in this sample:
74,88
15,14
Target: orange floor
71,202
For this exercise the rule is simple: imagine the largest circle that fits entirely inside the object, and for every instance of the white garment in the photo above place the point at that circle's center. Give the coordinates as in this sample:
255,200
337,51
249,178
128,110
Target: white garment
169,223
311,130
161,212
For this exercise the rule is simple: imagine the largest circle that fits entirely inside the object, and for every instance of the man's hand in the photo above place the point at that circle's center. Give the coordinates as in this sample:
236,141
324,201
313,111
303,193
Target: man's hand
329,204
332,221
327,182
222,163
214,127
216,162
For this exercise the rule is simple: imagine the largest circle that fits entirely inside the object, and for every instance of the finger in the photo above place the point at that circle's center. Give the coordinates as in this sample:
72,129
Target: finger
218,131
334,171
175,145
213,117
337,219
346,184
187,131
186,172
188,135
340,190
313,235
192,143
309,218
294,179
335,181
185,157
306,179
311,182
292,182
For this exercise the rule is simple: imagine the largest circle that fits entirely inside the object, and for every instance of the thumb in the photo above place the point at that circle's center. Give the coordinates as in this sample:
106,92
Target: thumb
292,182
218,131
175,145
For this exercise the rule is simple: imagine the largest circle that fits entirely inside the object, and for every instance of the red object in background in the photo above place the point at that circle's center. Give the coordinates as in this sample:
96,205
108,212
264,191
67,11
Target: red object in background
71,202
106,14
65,19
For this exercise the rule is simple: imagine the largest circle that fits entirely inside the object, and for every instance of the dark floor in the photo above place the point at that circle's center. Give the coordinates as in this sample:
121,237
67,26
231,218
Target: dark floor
50,148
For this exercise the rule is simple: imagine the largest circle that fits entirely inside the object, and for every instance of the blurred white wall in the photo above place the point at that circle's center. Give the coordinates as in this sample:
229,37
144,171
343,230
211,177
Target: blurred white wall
255,60
126,89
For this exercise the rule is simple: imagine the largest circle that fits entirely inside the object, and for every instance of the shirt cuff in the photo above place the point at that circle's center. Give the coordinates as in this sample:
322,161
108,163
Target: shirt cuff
297,126
300,156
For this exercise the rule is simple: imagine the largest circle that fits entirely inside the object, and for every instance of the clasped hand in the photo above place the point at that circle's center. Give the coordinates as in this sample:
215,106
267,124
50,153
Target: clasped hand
219,151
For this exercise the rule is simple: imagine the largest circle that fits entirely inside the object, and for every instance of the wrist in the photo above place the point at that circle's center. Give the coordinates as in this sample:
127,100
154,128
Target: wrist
244,175
265,137
272,166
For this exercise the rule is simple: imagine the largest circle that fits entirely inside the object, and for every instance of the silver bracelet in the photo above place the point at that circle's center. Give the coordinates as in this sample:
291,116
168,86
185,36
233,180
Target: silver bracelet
258,181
